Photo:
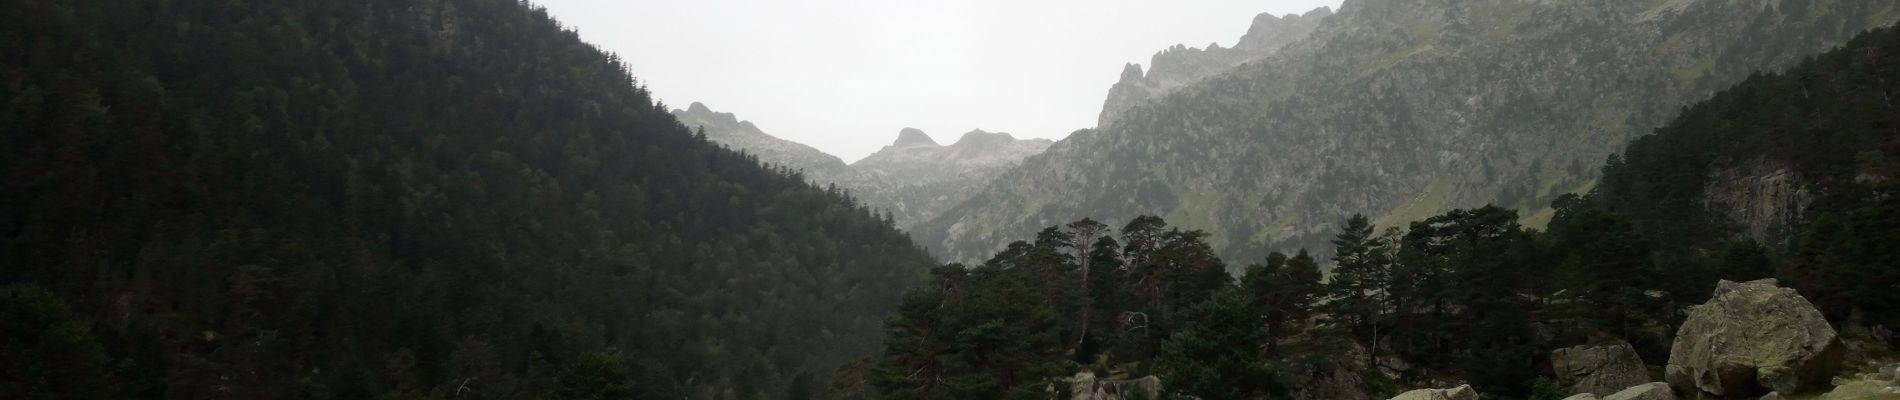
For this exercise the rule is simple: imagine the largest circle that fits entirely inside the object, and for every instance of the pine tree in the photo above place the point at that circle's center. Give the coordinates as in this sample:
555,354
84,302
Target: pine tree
1359,288
1215,355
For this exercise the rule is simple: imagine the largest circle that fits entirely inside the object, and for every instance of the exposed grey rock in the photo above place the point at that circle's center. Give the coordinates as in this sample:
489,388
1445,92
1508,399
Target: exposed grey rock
1462,392
1598,369
1582,396
1763,198
1178,66
1648,391
1750,339
1084,386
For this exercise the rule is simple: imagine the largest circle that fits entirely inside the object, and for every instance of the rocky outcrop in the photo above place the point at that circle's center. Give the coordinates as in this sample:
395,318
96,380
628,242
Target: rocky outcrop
1084,386
1598,369
1750,339
1764,198
1463,392
1178,66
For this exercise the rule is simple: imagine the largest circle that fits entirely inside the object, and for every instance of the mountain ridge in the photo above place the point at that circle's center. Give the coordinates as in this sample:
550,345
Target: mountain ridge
1400,110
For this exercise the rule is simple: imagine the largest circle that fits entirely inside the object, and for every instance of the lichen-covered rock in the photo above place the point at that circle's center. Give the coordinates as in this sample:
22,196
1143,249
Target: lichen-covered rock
1462,392
1598,369
1750,339
1647,391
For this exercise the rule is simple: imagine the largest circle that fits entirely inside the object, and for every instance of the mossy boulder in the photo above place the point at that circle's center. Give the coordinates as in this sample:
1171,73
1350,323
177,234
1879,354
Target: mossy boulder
1752,339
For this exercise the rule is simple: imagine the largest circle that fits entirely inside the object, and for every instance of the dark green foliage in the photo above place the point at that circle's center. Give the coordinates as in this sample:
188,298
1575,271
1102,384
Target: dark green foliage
415,198
1007,328
1215,355
1361,275
48,353
1284,292
597,376
1546,389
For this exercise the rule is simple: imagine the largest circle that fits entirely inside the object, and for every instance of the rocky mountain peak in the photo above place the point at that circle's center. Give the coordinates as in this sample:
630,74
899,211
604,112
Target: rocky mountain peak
726,129
1272,32
979,138
1180,65
1132,72
913,137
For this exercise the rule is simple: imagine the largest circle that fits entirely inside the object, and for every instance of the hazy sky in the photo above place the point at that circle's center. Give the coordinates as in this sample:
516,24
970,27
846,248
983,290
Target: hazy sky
845,75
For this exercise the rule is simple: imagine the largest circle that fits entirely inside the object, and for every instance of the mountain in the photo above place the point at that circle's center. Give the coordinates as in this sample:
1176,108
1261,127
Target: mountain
913,179
1400,110
397,199
727,129
1178,66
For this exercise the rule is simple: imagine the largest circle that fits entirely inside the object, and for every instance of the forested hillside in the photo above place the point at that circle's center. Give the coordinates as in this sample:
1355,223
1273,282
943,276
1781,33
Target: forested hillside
396,199
1804,162
1470,295
1402,109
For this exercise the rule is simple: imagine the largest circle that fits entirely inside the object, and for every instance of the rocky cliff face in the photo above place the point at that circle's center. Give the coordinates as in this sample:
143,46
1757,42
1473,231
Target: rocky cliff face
1764,198
914,178
1400,110
1180,65
727,129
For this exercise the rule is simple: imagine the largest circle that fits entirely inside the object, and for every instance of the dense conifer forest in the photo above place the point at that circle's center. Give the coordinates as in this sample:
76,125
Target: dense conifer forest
396,199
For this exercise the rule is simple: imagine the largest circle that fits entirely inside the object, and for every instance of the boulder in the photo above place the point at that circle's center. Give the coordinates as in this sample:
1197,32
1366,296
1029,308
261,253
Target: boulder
1084,386
1462,392
1599,369
1582,396
1647,391
1750,339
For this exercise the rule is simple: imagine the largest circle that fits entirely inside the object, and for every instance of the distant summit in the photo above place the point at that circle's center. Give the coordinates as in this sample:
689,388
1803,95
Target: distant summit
915,178
728,130
913,137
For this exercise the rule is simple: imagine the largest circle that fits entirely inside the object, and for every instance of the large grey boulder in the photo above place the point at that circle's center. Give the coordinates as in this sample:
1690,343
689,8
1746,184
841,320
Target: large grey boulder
1598,369
1462,392
1750,339
1647,391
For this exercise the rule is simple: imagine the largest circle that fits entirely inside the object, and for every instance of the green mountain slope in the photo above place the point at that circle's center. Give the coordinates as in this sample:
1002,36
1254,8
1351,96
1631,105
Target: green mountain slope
1401,110
420,198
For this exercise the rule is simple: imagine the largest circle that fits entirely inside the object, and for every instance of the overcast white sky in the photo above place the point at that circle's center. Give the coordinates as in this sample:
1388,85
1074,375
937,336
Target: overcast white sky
845,75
